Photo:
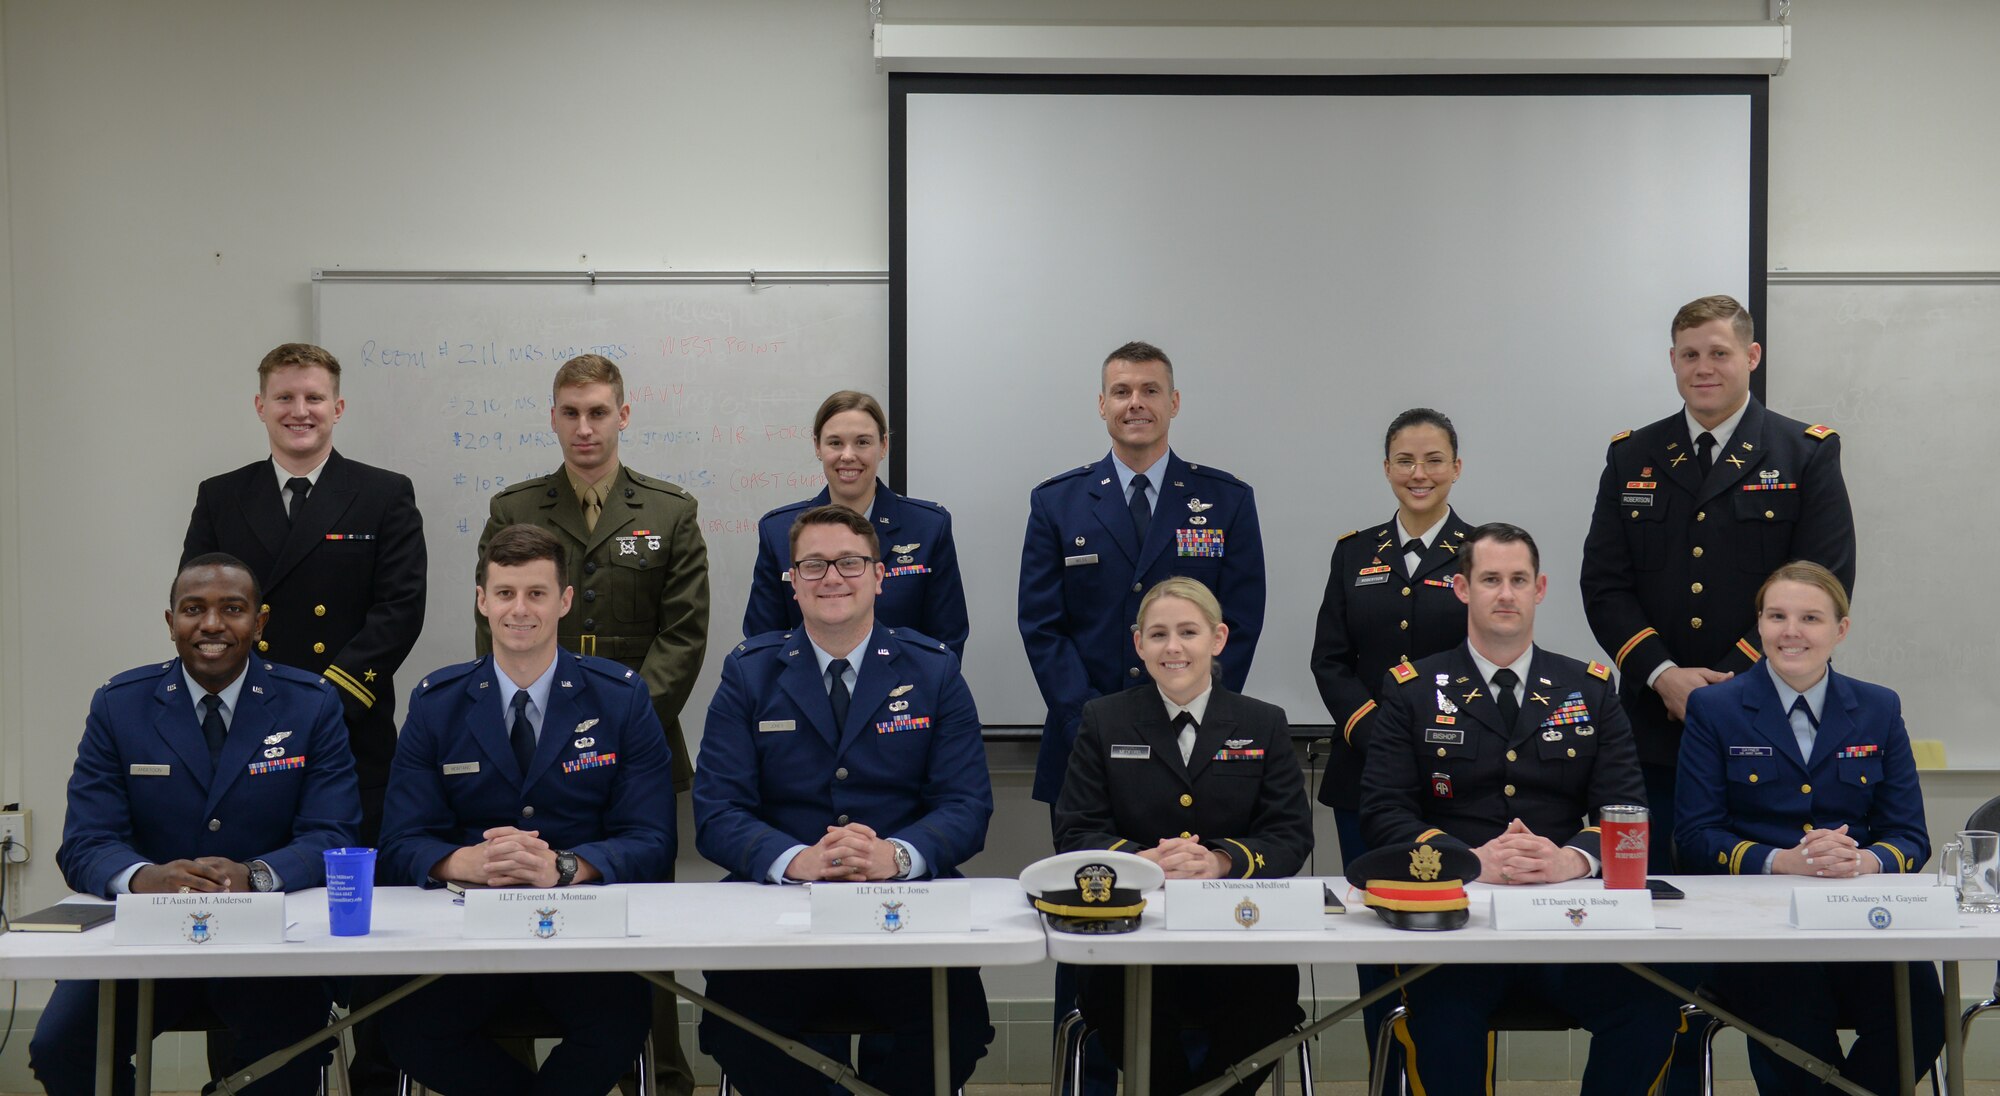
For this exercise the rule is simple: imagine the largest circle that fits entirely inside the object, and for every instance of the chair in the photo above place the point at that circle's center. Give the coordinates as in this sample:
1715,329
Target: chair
1694,1015
203,1019
1987,817
848,1028
538,1027
1067,1065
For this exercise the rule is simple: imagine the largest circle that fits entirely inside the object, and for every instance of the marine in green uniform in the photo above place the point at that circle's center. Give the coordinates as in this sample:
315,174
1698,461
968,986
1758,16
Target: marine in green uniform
636,556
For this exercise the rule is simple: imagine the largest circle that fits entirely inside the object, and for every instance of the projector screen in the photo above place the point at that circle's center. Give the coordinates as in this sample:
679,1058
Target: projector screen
1316,255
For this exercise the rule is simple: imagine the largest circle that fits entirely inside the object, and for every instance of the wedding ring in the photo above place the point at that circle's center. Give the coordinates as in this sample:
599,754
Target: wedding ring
836,861
187,890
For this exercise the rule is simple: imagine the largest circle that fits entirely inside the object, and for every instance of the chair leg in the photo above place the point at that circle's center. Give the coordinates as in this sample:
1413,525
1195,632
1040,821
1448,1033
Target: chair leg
642,1070
1306,1068
1708,1056
722,1087
1066,1063
1378,1072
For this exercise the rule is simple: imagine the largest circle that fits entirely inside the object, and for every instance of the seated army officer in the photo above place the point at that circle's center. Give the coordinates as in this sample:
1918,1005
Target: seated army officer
532,768
176,790
844,751
1504,748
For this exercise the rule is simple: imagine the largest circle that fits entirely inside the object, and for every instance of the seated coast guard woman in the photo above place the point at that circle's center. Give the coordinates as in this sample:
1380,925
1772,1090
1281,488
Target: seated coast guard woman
1203,782
1790,768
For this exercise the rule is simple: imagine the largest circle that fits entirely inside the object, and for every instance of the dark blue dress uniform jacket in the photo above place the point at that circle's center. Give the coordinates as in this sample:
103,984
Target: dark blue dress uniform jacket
600,785
775,771
1442,767
1083,572
1672,563
1241,789
345,585
244,807
1372,619
1745,792
921,591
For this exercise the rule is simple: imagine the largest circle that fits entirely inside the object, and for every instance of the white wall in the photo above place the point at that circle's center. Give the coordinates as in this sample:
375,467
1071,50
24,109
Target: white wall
174,171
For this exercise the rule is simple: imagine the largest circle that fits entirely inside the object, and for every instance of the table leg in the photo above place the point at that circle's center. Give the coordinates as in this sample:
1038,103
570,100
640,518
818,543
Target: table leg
107,1030
142,1037
1954,1036
1906,1055
1138,1030
940,1034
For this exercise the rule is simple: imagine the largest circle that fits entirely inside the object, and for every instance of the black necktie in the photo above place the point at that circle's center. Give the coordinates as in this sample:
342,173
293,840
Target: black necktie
1142,514
300,487
522,732
1184,729
1504,680
211,726
1800,705
1414,546
836,690
1704,452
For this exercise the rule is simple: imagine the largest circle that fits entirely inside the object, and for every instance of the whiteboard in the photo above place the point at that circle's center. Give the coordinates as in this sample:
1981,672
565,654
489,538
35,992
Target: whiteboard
1314,264
448,382
1910,375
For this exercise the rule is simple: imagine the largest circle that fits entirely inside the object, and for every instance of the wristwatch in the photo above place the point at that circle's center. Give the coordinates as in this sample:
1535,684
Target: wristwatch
261,878
565,867
902,860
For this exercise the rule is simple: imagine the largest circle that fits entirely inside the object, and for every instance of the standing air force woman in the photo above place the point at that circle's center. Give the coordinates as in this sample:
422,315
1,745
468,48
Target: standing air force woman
1789,768
920,584
1203,782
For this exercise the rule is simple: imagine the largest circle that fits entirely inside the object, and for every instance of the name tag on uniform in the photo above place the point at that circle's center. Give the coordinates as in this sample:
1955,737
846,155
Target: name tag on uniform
1636,500
1371,580
461,768
1444,737
767,725
152,770
1749,751
1133,753
1078,561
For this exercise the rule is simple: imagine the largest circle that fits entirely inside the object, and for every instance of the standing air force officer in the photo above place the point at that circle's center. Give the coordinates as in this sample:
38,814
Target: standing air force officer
214,771
842,751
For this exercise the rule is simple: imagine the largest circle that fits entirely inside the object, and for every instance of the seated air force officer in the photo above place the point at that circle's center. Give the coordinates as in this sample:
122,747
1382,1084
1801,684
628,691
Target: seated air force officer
1789,767
921,590
1505,748
1203,782
178,787
533,768
845,751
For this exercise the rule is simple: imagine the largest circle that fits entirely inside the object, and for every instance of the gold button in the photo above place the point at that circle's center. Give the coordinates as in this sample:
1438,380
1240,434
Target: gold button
1695,623
266,608
319,610
1808,827
1187,800
1510,755
1805,789
1697,551
1769,514
1696,588
1753,778
1509,789
263,644
1405,625
1440,751
1186,834
1406,591
1701,515
1864,780
1572,753
1722,858
319,648
1635,513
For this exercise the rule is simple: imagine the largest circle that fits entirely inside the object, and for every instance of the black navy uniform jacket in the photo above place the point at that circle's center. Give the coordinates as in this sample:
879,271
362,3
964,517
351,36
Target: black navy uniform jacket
1241,789
1376,613
1083,571
344,586
1442,768
1672,563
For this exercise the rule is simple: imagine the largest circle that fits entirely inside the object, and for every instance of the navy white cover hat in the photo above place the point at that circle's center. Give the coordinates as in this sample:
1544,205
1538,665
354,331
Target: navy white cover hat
1091,891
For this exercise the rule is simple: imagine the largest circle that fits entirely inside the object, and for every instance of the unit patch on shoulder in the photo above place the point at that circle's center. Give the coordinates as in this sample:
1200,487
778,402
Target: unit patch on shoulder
1600,671
1820,433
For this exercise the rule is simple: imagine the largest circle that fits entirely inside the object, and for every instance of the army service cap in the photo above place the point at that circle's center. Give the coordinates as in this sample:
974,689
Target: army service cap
1090,891
1419,886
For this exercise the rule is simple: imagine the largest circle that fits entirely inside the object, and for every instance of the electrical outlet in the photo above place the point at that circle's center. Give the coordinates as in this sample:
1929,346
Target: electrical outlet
14,827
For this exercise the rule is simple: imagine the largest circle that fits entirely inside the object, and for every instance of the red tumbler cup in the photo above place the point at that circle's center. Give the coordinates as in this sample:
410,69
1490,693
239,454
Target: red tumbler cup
1623,848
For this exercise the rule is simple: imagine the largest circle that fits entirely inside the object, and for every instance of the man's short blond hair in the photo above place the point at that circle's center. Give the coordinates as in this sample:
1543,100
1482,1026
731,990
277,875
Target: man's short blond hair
1709,309
291,355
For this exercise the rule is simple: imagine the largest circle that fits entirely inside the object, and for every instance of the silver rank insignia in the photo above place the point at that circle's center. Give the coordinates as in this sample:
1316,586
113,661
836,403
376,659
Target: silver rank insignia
628,546
258,689
900,690
274,739
584,743
1552,735
906,549
899,705
1198,506
1445,705
584,726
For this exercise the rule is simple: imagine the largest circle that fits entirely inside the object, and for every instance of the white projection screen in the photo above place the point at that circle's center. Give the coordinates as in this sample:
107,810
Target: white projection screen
1316,255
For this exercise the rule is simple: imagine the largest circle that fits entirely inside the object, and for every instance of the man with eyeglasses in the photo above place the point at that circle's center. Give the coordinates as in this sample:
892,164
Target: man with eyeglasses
841,751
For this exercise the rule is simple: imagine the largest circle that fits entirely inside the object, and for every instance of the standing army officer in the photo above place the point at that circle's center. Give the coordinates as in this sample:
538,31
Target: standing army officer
1693,512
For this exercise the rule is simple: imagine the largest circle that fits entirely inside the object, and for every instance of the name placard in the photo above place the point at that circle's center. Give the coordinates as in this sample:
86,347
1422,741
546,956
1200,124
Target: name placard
200,920
576,913
1535,909
1862,908
937,905
1254,904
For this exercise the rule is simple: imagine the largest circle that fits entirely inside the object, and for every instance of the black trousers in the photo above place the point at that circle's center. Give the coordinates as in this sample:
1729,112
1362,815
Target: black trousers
1205,1019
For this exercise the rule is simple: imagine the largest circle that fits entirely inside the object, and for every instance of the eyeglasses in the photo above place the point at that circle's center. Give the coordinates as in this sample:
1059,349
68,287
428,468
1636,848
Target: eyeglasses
1406,466
812,570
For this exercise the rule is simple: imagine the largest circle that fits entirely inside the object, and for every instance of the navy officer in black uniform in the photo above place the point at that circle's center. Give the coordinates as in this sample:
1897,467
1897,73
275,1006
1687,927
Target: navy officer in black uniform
1692,513
1504,748
1203,782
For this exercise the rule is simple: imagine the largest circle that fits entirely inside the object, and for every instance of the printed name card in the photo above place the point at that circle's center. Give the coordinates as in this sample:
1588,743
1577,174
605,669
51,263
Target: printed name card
1870,908
1536,909
1282,904
937,905
200,919
572,913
